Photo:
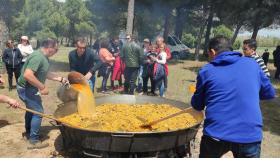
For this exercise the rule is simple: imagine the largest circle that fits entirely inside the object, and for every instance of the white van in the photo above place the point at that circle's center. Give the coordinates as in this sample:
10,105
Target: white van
177,48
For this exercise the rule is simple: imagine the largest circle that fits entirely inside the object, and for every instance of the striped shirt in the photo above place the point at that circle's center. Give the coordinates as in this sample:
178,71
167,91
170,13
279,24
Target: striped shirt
260,61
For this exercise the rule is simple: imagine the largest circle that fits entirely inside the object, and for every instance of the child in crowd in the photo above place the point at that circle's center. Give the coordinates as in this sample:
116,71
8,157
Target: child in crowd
160,69
148,69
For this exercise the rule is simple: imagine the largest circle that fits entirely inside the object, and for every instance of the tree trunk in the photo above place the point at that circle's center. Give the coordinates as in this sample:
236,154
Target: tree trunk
90,39
72,34
236,31
4,32
208,29
61,41
257,21
255,32
200,34
180,22
38,44
130,17
167,25
67,41
198,44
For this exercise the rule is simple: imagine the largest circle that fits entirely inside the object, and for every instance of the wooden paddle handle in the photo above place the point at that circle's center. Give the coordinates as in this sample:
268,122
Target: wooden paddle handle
170,116
39,113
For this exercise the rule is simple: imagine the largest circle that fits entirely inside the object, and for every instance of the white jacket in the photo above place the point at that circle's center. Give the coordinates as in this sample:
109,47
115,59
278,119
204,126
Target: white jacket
162,58
25,51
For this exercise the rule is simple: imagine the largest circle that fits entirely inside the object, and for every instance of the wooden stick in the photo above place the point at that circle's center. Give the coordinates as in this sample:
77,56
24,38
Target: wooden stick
165,118
40,114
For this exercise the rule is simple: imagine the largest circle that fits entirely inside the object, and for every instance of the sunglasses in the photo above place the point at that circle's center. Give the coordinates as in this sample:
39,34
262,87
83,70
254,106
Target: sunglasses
81,47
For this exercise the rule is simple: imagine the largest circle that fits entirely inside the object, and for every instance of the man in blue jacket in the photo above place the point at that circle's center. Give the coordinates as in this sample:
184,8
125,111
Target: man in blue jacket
229,88
84,61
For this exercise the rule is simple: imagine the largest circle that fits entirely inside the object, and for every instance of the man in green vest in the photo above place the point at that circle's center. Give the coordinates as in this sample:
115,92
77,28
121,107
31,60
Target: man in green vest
31,85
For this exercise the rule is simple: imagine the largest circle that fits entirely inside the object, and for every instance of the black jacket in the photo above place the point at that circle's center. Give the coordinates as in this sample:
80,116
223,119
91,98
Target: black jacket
276,57
12,57
89,61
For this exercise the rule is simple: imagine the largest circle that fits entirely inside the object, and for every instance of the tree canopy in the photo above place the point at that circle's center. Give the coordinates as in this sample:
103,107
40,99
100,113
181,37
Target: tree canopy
194,20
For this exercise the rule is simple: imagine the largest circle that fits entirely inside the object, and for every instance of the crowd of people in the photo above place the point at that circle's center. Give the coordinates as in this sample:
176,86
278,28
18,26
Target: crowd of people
115,60
112,60
229,88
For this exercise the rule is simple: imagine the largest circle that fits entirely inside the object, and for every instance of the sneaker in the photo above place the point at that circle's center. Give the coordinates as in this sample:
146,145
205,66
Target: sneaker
25,136
120,88
114,88
153,94
37,145
105,92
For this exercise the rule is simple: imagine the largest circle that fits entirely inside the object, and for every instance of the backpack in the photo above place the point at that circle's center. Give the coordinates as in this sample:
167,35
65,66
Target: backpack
159,71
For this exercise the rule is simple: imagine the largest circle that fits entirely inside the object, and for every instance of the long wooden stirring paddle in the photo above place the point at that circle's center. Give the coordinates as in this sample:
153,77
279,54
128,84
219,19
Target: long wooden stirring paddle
149,125
42,114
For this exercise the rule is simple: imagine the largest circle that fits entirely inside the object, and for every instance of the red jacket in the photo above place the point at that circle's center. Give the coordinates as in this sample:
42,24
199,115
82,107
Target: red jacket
168,53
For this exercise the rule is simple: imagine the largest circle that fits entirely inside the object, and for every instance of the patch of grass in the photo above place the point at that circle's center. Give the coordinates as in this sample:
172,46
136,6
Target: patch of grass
62,54
59,62
179,80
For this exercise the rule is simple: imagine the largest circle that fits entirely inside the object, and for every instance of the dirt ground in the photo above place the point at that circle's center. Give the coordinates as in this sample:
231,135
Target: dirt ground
11,120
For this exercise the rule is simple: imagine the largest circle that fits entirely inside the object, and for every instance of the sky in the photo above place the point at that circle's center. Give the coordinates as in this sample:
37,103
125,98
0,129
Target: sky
263,32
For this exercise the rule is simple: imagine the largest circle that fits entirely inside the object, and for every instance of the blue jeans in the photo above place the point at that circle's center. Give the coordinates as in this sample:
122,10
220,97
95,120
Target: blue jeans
211,148
160,85
161,89
32,100
140,79
91,82
107,71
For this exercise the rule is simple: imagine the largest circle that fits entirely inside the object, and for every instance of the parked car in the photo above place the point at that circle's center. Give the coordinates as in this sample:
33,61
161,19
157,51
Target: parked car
177,48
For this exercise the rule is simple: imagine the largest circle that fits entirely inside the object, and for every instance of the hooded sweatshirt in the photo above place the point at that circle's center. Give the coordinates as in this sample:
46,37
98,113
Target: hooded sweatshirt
230,88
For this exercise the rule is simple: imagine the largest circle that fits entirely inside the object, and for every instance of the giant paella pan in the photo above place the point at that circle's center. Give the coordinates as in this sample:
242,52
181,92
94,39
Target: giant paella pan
83,139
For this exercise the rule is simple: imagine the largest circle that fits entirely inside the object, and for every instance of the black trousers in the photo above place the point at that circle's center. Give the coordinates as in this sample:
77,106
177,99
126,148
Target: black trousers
106,75
145,83
211,148
11,72
130,76
277,72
